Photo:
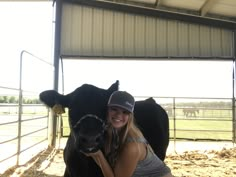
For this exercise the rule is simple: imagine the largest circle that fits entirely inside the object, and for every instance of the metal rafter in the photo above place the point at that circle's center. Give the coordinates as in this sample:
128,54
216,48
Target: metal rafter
207,6
159,2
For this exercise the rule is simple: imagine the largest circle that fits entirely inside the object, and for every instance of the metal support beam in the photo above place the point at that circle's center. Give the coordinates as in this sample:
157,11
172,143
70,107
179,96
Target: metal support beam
57,46
144,1
234,91
159,2
207,6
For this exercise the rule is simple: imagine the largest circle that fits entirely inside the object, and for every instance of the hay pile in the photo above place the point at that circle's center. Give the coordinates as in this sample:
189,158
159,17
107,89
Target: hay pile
205,164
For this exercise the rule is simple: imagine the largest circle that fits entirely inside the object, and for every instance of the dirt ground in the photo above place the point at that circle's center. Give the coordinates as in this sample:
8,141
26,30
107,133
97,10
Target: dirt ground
213,162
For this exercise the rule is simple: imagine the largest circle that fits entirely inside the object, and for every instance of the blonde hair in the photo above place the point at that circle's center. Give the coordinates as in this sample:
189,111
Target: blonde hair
130,130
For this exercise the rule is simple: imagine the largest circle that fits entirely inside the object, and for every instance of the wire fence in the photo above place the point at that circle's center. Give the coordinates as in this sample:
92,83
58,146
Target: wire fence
22,138
192,118
24,125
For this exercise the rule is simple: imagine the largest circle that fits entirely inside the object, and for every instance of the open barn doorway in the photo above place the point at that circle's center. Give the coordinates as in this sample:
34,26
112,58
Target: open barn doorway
154,78
197,95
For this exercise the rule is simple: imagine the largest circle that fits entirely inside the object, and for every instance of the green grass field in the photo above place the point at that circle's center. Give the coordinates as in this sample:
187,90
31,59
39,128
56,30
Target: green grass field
190,129
202,129
208,124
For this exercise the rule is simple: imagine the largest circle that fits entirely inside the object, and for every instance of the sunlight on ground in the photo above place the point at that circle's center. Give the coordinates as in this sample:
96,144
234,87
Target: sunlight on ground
208,156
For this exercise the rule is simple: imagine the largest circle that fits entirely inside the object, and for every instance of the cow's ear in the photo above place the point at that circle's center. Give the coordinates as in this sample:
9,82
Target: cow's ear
150,100
52,98
114,87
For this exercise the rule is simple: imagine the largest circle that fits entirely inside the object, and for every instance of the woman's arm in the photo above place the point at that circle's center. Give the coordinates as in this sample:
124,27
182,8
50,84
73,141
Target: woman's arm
102,163
125,164
128,159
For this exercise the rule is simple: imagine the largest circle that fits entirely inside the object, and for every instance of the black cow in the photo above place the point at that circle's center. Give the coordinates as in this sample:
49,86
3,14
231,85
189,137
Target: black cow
87,107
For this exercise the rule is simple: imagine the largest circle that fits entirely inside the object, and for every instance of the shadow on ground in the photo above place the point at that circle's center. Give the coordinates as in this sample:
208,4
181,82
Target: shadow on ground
44,164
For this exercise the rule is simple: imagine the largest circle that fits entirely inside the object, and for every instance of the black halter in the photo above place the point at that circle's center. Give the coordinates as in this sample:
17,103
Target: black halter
93,117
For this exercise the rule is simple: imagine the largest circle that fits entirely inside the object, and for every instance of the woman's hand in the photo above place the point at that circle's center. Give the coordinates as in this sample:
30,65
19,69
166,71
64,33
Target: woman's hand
101,161
96,156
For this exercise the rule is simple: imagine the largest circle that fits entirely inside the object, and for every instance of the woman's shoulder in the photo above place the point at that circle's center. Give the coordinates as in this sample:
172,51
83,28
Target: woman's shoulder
135,149
131,147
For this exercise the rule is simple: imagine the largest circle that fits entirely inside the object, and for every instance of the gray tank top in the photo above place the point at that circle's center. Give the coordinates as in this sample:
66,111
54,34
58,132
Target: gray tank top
151,166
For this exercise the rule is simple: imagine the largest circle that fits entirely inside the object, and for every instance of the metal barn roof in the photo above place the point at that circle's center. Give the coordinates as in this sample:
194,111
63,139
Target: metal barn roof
219,13
223,10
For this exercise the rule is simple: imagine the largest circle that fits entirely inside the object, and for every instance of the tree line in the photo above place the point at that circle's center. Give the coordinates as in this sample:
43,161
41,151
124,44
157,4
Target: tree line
15,100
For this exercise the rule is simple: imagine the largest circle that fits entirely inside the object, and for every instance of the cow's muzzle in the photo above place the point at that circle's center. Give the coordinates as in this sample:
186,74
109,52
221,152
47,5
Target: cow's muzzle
89,139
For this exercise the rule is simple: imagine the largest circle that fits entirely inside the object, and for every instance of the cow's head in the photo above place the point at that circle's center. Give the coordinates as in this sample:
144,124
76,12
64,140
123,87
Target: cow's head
87,106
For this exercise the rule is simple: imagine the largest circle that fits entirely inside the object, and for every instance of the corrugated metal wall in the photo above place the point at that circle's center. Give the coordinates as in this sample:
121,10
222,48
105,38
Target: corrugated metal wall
88,31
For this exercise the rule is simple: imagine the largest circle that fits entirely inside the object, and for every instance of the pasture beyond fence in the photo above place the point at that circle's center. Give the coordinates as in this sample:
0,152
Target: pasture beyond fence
209,119
190,119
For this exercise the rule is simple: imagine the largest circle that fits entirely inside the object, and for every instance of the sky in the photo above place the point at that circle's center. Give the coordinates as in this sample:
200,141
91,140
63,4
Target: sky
29,26
154,78
24,26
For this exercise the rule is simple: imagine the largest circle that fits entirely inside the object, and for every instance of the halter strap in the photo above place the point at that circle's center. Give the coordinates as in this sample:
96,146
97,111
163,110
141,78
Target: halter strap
86,116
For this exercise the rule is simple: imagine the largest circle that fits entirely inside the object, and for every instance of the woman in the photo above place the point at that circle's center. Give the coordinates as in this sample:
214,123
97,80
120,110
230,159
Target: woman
127,151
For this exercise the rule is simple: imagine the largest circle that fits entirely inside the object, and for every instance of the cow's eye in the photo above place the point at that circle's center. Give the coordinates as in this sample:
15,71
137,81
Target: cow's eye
98,139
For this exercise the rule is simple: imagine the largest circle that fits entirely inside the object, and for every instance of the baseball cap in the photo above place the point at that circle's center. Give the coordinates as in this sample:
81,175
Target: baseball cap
122,99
